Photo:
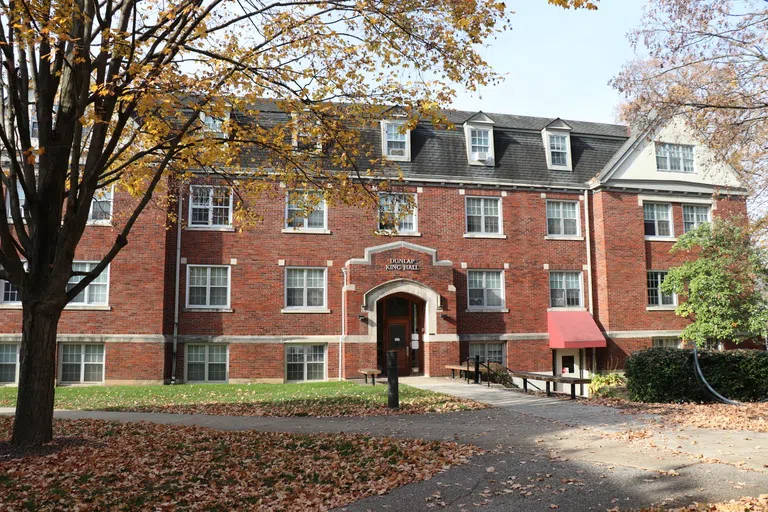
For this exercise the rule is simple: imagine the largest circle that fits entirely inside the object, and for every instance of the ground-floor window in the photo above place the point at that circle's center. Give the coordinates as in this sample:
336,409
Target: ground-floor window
667,342
488,352
206,363
82,364
305,362
9,363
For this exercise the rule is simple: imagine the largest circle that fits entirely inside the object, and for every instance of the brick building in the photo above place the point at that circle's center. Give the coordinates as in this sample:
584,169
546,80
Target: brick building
534,242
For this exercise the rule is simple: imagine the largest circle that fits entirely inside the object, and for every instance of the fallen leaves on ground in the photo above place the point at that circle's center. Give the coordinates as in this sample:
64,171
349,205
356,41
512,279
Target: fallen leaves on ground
100,465
318,407
759,504
751,416
324,399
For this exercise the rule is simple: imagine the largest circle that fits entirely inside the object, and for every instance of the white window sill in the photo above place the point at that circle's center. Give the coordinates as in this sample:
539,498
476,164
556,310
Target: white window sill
482,163
672,171
103,223
10,305
305,310
80,384
205,382
484,235
568,308
393,158
211,228
661,308
564,237
88,307
192,309
661,238
486,310
306,231
399,233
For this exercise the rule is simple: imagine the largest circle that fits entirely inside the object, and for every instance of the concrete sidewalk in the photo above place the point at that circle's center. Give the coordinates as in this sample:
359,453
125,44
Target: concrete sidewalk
539,453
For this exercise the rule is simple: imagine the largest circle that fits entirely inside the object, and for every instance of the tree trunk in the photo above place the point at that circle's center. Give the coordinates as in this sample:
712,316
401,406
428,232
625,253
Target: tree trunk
33,424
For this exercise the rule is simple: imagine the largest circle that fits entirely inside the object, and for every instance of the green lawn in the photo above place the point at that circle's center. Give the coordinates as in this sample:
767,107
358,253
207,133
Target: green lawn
311,399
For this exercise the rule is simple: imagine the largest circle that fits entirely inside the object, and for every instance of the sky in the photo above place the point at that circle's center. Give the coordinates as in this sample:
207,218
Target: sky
557,62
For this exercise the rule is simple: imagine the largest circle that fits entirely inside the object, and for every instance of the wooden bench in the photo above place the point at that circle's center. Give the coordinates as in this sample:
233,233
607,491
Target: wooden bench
462,368
550,379
373,372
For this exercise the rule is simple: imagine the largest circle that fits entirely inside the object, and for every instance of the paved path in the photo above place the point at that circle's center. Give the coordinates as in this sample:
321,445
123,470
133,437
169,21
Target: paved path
539,453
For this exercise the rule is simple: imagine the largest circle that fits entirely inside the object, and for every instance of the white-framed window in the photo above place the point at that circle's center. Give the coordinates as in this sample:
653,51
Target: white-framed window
658,219
655,297
485,289
208,286
210,206
395,141
22,200
101,206
713,344
398,210
305,288
212,126
674,158
488,352
483,215
305,362
479,140
9,363
96,293
694,216
565,290
668,342
11,294
558,150
296,214
563,218
206,363
81,363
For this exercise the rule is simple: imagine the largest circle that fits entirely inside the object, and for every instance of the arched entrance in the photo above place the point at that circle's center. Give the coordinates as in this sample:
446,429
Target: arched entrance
400,327
402,308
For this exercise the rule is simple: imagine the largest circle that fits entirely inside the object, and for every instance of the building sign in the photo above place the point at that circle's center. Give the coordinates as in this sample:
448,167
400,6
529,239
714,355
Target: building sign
403,264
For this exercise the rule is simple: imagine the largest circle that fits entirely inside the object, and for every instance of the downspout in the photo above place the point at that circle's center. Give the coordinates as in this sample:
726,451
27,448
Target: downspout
176,292
588,238
343,316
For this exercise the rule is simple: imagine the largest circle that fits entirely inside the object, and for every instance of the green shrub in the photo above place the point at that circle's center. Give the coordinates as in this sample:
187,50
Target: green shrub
667,375
605,385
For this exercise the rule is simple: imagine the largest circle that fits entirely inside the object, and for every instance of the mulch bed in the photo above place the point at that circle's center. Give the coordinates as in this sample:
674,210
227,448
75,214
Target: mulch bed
751,416
100,465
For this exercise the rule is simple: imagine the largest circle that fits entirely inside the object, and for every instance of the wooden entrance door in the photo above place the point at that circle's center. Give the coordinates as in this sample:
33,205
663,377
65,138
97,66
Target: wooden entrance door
396,322
398,338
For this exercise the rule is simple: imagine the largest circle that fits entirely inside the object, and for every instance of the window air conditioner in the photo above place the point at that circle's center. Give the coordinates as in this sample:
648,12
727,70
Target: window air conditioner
396,152
481,156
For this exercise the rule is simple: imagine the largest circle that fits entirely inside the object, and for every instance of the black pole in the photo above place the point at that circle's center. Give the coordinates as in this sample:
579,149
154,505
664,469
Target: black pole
393,394
477,369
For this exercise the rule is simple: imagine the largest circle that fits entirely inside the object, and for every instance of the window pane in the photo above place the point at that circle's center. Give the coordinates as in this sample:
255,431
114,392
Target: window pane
10,292
491,207
70,372
7,372
295,371
8,363
217,372
195,372
294,297
94,353
93,373
494,353
218,296
491,224
570,227
474,224
474,206
71,354
196,353
476,297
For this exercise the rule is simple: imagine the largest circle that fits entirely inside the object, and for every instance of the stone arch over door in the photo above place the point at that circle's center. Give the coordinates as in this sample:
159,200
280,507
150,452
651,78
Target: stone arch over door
430,297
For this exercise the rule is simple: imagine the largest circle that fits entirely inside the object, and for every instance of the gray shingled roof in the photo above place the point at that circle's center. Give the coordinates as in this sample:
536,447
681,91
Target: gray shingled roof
440,154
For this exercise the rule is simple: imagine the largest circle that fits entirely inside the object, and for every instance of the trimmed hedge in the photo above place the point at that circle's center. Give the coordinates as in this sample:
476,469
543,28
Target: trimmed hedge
667,375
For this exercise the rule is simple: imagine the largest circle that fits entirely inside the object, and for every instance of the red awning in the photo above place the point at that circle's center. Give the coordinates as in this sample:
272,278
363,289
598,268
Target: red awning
573,329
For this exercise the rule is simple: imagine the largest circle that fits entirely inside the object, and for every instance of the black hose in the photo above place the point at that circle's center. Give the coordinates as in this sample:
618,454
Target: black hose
702,380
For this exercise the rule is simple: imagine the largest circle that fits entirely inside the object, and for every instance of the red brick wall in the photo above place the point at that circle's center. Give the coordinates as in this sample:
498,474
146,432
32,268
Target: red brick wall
256,361
437,354
356,356
133,361
529,355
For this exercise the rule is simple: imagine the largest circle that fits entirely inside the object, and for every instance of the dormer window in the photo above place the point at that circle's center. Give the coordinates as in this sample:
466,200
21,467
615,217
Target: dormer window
304,136
213,127
395,141
558,149
478,131
557,144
